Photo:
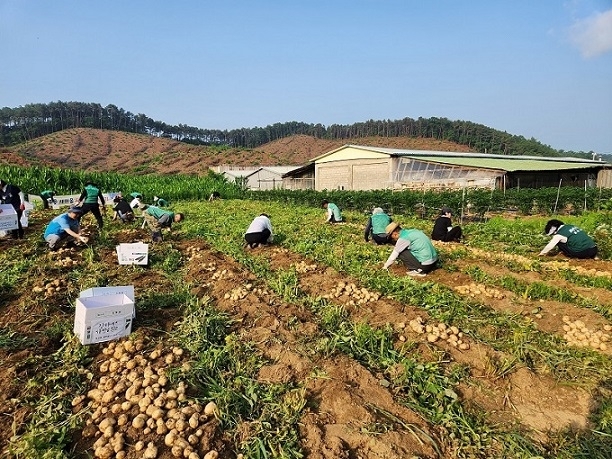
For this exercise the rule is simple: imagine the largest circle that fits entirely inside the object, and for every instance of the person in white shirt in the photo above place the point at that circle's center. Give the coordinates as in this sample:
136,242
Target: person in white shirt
259,232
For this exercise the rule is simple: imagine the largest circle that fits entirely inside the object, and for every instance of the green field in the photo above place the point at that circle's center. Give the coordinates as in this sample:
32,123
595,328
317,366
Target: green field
307,348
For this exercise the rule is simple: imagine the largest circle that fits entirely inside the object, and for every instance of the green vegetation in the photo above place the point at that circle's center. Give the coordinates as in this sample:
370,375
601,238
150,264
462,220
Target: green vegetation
24,124
263,419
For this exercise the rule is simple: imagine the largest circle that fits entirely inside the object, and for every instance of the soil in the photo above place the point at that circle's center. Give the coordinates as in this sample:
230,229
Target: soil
346,402
103,151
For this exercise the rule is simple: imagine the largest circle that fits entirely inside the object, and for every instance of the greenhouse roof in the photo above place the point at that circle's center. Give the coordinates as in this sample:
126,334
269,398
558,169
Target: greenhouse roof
508,163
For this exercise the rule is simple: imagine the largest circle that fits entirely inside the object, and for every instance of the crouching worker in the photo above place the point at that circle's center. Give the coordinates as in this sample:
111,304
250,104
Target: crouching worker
333,214
444,230
376,226
259,232
570,240
413,248
158,218
64,228
123,210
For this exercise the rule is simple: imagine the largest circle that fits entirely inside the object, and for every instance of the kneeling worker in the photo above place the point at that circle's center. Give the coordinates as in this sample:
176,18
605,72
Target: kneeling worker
259,232
413,248
64,228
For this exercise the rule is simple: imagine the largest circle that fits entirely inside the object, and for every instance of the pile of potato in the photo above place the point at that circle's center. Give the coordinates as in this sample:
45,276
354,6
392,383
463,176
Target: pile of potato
558,265
239,293
578,334
473,289
303,267
484,254
51,288
358,296
222,274
134,406
440,331
194,252
591,272
66,262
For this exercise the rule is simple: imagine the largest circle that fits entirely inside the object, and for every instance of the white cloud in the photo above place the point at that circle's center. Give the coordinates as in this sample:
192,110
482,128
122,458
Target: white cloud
593,35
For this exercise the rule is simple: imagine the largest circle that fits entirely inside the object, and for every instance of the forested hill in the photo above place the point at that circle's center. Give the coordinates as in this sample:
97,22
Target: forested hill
25,123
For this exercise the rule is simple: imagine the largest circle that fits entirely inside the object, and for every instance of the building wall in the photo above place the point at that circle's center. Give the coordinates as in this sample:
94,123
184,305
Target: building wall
353,174
305,181
265,180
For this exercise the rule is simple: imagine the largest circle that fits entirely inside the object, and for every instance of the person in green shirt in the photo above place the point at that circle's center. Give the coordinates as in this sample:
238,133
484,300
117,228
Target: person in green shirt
376,226
333,212
47,196
159,218
413,248
90,200
569,239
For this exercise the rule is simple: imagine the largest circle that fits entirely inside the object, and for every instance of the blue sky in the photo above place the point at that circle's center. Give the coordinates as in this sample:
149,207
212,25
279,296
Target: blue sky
536,68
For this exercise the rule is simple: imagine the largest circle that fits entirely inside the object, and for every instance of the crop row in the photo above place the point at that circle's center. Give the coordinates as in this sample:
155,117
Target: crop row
301,230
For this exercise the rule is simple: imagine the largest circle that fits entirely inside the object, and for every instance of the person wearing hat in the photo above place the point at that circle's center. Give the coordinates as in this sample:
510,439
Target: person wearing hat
64,228
333,212
413,248
90,200
47,196
570,240
259,232
12,194
443,229
377,223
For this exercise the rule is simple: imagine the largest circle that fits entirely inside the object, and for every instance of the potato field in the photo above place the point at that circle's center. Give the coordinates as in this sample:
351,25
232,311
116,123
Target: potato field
307,348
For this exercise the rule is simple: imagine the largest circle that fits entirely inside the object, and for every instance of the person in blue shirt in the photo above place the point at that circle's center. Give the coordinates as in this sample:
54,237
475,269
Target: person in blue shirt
64,228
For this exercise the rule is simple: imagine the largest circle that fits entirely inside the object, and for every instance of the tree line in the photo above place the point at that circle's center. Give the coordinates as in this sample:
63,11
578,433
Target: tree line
25,123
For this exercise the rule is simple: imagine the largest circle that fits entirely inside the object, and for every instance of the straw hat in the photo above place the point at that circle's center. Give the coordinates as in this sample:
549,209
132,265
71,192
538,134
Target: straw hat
391,227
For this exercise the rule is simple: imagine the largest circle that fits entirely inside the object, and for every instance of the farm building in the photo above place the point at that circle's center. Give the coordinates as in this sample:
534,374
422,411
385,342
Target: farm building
354,167
260,178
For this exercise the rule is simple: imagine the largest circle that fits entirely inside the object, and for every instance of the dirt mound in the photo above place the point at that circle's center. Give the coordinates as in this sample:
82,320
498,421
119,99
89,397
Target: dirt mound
115,151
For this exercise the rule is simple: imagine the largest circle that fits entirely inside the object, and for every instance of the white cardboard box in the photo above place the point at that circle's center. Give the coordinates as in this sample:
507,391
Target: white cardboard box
133,254
103,316
102,307
101,330
8,218
127,290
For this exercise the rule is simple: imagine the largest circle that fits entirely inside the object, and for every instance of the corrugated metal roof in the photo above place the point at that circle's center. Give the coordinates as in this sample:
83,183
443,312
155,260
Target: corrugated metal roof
509,163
